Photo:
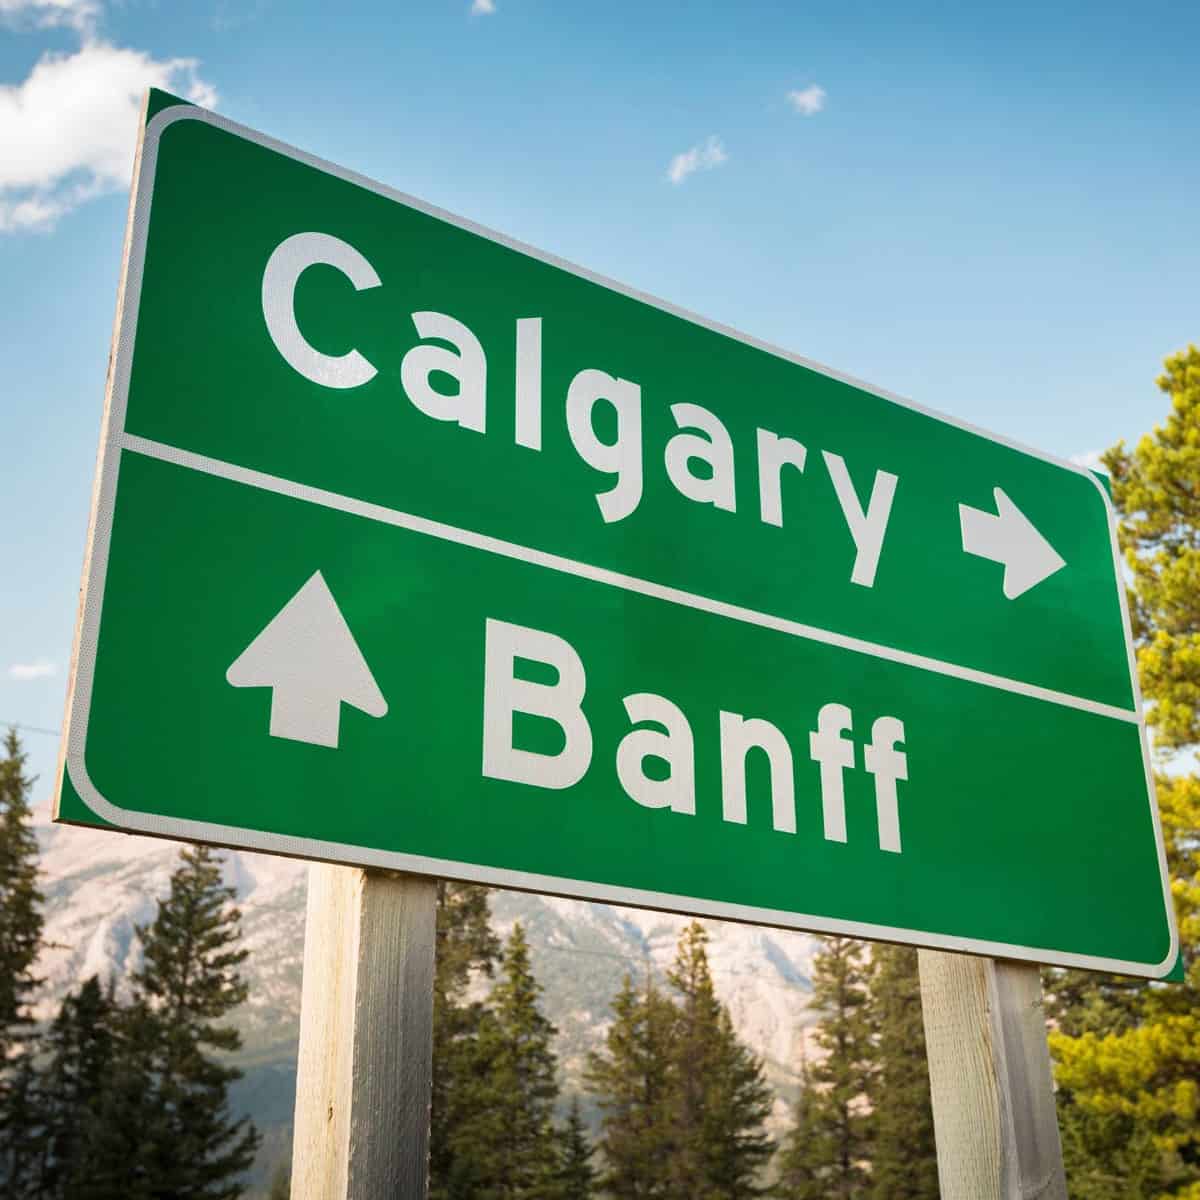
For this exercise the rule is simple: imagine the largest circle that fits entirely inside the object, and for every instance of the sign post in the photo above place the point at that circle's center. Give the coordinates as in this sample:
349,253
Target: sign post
366,1030
478,565
990,1077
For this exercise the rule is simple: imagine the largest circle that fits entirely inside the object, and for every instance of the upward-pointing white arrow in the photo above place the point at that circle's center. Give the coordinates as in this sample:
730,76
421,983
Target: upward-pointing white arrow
309,659
1008,536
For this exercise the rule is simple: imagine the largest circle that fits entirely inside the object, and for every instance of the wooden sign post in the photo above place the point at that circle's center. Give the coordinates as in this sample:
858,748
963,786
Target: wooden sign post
989,1070
366,1036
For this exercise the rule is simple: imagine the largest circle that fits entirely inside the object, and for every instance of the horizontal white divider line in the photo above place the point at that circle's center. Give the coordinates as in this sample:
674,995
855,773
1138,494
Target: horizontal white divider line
629,583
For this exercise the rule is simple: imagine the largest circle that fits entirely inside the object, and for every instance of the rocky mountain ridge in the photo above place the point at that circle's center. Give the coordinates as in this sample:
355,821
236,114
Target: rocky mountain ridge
99,885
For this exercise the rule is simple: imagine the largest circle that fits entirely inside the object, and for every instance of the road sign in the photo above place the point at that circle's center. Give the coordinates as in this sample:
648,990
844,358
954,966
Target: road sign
415,547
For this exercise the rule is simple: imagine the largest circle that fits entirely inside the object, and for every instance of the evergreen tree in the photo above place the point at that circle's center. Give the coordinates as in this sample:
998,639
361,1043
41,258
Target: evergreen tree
123,1142
20,900
80,1050
632,1078
683,1101
500,1143
1110,1156
718,1099
523,1156
576,1175
1127,1063
836,1149
903,1156
800,1176
462,1093
188,982
20,941
1156,493
22,1128
739,1104
693,1050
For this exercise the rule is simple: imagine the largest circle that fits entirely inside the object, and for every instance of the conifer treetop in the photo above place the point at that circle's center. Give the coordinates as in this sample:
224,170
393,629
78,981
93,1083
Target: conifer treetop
20,898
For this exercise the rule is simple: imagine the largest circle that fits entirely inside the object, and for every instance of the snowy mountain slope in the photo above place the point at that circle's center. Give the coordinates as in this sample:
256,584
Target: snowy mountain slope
100,885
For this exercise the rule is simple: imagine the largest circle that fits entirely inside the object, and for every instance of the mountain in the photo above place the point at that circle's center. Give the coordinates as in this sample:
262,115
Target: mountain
99,885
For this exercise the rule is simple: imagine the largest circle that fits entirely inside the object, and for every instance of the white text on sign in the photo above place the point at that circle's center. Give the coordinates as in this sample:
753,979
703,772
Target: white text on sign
449,348
672,742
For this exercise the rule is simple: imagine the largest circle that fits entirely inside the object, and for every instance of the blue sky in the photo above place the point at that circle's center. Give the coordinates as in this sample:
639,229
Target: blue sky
991,212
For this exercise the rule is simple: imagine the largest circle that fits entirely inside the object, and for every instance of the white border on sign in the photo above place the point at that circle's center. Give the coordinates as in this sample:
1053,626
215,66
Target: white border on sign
114,440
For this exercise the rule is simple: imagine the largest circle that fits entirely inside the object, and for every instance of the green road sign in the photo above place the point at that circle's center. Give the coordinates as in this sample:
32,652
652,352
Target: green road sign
414,547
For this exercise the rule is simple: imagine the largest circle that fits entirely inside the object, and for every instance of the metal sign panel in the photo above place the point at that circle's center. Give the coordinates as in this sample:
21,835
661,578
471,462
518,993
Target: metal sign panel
415,547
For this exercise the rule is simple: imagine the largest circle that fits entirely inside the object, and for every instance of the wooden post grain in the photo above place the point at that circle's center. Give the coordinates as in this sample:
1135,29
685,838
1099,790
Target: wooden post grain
989,1070
366,1032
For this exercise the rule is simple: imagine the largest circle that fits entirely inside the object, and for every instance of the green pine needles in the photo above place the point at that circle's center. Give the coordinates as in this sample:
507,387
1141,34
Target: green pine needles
576,1174
903,1154
832,1145
20,941
684,1102
495,1074
121,1099
20,900
863,1124
188,983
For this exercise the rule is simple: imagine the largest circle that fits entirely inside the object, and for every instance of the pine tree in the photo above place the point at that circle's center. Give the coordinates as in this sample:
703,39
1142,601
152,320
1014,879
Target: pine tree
80,1049
576,1175
20,941
683,1101
130,1131
524,1151
1156,493
188,982
632,1078
739,1104
20,900
694,1052
1127,1063
718,1099
497,1140
22,1128
837,1147
903,1156
1110,1156
800,1176
467,949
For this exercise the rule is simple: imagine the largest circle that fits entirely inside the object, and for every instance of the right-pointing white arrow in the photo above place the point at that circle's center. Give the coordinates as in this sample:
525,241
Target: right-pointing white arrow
309,659
1008,536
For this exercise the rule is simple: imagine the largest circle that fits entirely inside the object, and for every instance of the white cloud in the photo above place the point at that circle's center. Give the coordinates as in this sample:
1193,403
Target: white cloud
807,101
483,8
78,14
43,668
708,154
69,129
